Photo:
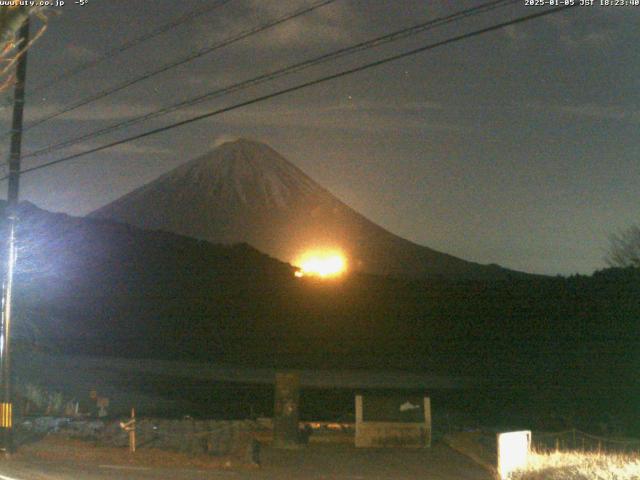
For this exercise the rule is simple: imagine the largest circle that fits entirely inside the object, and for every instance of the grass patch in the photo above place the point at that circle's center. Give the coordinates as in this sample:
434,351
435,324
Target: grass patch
580,465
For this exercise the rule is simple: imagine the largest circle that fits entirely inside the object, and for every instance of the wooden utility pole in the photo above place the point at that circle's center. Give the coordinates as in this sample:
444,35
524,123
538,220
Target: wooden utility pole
6,406
130,428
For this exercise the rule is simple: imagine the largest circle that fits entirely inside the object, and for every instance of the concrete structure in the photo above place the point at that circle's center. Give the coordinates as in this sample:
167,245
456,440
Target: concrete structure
285,412
398,421
122,379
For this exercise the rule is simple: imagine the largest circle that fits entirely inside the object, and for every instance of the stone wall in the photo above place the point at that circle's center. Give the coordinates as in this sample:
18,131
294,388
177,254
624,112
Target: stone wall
195,437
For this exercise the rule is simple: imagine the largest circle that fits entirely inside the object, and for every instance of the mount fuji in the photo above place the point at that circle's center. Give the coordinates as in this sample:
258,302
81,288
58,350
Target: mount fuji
246,192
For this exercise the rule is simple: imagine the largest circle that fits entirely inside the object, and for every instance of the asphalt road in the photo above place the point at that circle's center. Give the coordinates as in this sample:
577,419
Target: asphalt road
316,462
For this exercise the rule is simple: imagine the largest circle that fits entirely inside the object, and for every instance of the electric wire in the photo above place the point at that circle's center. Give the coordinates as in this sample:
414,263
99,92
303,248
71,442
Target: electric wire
301,86
288,70
199,53
124,47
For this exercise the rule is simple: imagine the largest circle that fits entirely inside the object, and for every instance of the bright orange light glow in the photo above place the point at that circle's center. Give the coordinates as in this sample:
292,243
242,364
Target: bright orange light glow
324,264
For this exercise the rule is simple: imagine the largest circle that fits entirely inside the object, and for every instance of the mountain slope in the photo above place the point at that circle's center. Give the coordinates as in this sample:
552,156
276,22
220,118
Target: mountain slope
244,191
99,287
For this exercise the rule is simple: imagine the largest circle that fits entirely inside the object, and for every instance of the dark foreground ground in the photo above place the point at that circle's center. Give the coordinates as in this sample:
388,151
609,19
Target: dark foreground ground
312,462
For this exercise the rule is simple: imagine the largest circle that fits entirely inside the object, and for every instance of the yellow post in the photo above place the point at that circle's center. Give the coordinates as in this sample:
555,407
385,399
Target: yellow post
132,432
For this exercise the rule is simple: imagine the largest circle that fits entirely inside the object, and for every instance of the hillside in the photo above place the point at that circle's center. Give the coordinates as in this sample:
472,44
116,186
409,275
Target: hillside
98,287
547,345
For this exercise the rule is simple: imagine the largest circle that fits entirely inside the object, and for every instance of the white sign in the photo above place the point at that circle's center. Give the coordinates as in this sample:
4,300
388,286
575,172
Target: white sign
513,451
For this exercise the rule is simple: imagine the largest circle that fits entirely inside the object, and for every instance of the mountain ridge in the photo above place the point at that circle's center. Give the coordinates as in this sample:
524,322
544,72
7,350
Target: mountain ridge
245,191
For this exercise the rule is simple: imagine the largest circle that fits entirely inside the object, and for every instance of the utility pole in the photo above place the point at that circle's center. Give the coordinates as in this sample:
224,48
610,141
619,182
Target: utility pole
6,406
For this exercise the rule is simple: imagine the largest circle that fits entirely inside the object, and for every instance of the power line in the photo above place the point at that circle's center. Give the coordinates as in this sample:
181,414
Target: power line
126,46
303,85
181,61
294,68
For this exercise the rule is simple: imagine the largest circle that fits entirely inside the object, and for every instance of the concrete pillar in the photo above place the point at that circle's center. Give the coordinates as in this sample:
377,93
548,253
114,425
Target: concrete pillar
285,415
427,421
358,409
359,427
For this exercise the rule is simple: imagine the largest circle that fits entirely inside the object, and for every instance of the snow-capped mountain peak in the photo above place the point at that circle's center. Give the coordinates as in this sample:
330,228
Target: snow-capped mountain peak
251,173
244,191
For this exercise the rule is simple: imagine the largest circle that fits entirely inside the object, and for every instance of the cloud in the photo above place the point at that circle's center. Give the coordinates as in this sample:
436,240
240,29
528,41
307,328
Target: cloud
311,30
593,41
139,149
592,33
597,35
91,112
359,117
224,138
516,34
80,53
589,110
327,25
132,148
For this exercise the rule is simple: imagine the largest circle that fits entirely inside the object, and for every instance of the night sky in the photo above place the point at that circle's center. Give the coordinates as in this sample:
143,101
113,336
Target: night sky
518,147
